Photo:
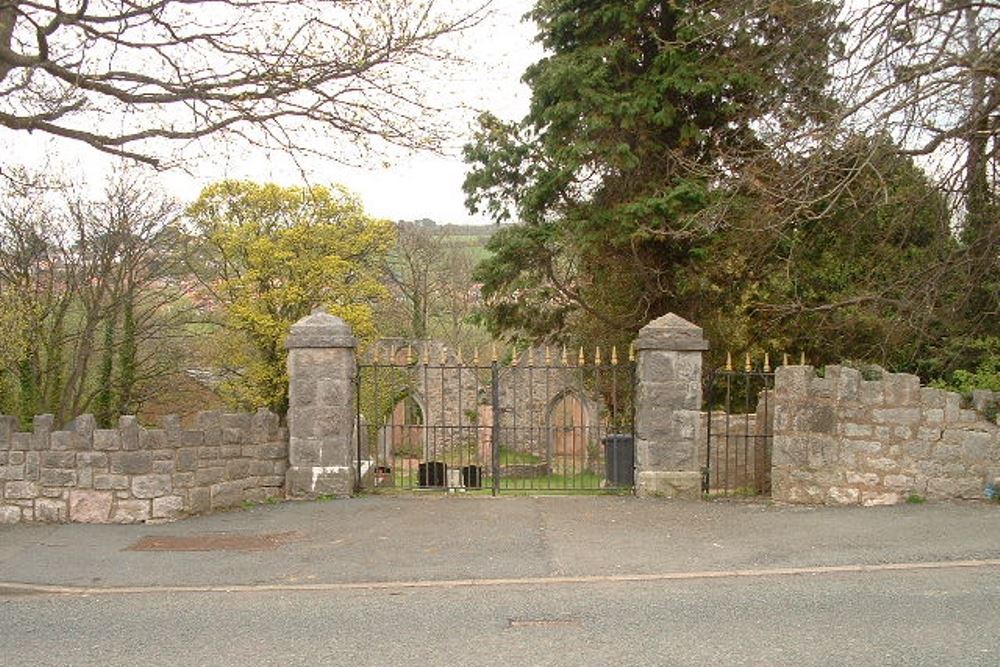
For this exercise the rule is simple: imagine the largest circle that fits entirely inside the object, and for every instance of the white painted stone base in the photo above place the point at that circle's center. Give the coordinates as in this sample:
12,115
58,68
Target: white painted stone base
669,484
316,481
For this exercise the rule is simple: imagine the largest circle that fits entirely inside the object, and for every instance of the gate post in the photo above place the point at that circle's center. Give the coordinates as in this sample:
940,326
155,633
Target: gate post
321,412
668,408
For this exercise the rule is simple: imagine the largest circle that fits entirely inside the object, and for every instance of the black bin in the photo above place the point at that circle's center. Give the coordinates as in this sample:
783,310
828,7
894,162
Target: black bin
472,477
619,454
432,473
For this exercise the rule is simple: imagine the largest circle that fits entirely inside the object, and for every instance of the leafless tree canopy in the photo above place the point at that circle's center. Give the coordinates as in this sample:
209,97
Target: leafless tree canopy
121,74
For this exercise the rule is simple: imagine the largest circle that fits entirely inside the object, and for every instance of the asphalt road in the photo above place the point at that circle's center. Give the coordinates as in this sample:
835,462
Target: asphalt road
942,618
516,581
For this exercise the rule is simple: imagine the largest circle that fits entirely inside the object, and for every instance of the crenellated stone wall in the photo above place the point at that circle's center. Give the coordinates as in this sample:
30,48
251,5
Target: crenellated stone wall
133,474
842,440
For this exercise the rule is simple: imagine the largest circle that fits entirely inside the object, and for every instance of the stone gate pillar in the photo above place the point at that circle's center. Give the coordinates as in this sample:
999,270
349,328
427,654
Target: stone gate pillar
321,411
668,408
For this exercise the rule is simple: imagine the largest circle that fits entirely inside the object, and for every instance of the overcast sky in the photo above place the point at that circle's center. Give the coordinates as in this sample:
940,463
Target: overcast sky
411,187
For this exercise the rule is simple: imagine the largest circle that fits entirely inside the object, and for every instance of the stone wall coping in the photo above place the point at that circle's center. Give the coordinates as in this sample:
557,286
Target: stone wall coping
320,330
671,332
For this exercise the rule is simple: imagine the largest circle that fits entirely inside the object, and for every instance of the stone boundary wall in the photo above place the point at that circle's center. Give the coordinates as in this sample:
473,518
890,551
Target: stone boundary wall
842,440
132,474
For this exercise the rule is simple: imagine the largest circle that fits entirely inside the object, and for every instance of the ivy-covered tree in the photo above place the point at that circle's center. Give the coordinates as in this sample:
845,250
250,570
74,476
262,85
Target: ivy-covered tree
270,255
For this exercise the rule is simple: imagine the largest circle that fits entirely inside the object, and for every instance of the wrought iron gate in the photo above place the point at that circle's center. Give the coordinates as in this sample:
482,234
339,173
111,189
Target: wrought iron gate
535,421
739,428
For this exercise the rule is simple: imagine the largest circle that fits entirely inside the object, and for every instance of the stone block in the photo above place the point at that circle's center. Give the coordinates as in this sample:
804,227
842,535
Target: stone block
20,490
187,459
232,436
897,415
11,473
902,389
128,425
842,496
792,382
872,393
168,507
183,480
967,416
58,459
207,476
9,514
90,506
192,438
15,458
335,392
105,481
305,452
57,477
151,486
863,479
660,455
239,421
653,397
898,482
931,397
50,510
237,469
132,462
200,500
669,484
952,406
65,441
41,426
163,467
230,452
983,400
9,425
873,498
264,426
933,415
227,494
152,439
847,383
255,495
92,459
131,511
311,482
54,492
22,442
855,430
107,439
670,366
815,419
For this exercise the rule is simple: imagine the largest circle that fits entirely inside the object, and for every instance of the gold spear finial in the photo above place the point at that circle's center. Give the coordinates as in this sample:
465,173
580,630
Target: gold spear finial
729,361
597,356
614,355
548,355
444,355
580,358
461,360
767,362
565,358
513,356
409,353
631,352
802,358
784,359
749,364
427,353
475,356
493,353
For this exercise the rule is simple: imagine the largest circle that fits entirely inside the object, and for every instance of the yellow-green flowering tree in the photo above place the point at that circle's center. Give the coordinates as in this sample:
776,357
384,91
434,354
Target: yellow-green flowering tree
270,255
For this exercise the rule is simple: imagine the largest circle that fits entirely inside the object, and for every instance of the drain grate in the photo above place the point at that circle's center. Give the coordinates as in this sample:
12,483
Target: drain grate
214,542
544,622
